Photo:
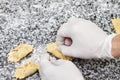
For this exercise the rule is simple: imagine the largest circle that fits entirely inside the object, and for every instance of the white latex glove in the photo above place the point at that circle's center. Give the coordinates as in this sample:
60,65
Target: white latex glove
83,39
58,69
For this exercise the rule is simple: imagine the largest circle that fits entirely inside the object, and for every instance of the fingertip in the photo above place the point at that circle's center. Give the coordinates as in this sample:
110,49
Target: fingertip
59,62
44,57
59,42
68,51
45,60
64,49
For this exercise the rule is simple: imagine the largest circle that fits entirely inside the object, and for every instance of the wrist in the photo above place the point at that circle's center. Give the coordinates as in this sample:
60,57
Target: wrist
116,46
106,51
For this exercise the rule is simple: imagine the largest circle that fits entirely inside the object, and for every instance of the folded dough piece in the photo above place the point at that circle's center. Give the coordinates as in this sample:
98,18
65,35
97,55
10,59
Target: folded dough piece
26,70
31,67
52,48
116,24
19,52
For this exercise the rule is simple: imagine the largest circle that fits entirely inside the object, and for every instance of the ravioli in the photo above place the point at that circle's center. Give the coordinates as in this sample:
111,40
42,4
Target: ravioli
19,52
26,70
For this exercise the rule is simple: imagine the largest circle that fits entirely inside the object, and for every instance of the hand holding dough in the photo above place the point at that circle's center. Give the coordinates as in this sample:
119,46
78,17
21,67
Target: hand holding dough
58,69
88,40
52,48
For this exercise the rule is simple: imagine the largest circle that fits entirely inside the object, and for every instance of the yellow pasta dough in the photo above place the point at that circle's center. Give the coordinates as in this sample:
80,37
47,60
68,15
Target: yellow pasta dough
19,52
116,24
27,69
52,48
30,67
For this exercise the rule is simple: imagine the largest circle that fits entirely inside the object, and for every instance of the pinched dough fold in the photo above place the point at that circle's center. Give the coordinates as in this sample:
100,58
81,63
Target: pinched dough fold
52,48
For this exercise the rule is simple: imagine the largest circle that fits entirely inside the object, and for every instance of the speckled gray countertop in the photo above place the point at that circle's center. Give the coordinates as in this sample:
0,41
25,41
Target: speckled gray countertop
37,21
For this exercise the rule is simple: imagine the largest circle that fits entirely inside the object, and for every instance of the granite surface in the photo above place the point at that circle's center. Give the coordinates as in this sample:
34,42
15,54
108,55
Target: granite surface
37,21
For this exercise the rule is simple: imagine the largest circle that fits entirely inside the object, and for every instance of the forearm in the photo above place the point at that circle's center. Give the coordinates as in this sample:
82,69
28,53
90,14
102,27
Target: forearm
116,46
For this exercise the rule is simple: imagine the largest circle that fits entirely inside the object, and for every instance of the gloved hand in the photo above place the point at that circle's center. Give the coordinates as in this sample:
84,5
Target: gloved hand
83,39
58,69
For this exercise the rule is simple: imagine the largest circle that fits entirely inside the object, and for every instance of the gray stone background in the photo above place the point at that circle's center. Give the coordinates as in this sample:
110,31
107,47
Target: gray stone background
37,21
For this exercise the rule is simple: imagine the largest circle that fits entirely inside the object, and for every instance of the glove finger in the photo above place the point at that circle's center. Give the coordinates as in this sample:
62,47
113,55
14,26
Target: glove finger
67,50
45,66
62,33
65,30
60,40
45,61
59,62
